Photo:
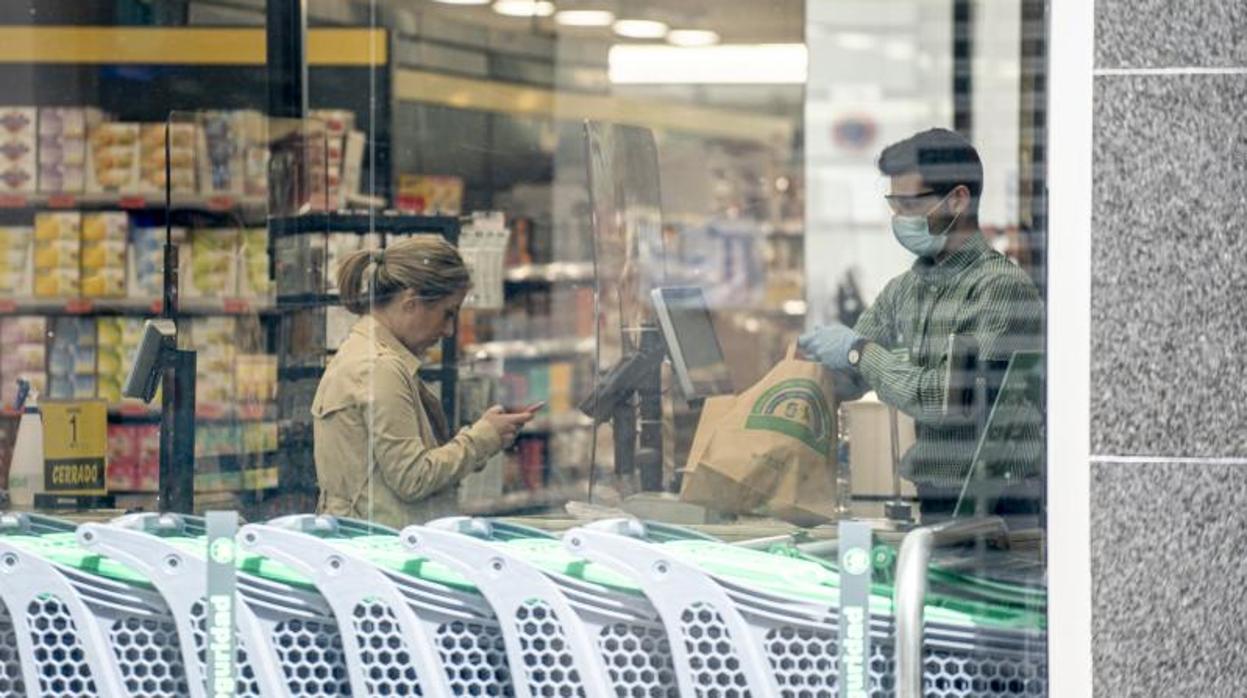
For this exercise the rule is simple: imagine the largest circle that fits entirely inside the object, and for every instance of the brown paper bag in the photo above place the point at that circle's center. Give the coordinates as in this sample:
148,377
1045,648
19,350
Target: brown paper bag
772,446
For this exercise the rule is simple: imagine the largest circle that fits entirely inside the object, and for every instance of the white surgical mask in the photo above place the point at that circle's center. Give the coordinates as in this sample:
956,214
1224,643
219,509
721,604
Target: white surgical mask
914,232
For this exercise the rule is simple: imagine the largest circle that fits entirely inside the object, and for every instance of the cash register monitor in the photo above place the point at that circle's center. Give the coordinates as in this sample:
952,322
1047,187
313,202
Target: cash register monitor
689,332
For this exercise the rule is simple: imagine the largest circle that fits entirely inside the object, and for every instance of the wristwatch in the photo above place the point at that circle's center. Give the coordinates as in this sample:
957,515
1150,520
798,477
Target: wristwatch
855,351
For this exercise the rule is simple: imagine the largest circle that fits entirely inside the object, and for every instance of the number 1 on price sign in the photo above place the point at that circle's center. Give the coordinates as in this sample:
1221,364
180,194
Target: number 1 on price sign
75,446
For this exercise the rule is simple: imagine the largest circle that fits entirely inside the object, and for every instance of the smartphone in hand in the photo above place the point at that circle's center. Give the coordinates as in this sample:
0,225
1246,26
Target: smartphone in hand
530,409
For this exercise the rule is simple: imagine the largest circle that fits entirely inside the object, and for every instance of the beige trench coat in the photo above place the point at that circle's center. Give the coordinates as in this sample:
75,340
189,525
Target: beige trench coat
376,446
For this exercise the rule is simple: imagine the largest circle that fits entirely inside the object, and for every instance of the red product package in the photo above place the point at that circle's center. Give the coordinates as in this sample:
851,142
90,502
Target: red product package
122,457
147,469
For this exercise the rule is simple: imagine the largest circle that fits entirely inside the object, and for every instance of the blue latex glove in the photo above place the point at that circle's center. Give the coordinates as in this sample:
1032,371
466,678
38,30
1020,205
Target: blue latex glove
830,345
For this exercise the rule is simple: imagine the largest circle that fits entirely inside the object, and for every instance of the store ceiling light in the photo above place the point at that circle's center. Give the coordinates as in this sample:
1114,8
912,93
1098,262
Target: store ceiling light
585,18
524,8
692,37
736,64
640,28
463,2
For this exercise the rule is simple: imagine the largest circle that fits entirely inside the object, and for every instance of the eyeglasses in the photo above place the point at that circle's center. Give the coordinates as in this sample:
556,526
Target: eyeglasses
910,204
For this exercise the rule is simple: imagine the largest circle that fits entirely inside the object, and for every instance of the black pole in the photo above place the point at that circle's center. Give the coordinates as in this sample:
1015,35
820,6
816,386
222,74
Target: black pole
286,31
623,428
177,401
649,397
177,432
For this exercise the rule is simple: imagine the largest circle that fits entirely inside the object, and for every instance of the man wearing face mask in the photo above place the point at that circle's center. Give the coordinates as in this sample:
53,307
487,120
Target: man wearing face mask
957,286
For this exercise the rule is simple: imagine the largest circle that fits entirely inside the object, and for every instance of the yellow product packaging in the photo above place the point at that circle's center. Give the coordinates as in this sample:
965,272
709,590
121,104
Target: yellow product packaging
102,255
16,261
254,280
57,283
179,152
213,263
57,254
58,226
104,283
113,157
105,226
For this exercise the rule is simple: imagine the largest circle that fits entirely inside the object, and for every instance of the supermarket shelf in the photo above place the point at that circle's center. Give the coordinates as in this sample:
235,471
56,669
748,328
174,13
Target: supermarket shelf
213,457
288,302
363,223
559,272
139,415
540,349
248,207
135,307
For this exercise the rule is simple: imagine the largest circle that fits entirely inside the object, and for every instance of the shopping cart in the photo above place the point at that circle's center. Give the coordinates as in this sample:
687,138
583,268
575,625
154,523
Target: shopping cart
414,627
83,625
757,623
288,643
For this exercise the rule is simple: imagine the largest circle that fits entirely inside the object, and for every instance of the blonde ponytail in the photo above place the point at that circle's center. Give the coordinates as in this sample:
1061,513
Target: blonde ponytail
426,264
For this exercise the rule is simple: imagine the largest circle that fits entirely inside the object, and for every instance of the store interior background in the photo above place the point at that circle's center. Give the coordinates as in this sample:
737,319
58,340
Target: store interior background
771,198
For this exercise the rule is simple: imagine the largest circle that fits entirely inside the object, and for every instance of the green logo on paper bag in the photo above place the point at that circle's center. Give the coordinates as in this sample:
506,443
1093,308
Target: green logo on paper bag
796,408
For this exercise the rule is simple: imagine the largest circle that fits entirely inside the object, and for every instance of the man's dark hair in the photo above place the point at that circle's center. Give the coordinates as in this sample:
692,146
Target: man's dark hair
944,158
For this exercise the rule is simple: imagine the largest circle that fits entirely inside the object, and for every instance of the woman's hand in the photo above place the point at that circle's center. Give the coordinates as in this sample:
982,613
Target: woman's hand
507,424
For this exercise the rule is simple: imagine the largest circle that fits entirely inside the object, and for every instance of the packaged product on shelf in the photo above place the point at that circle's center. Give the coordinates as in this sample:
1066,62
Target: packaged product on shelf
253,277
259,437
24,355
16,261
63,147
344,157
18,149
353,163
532,453
118,340
104,254
483,243
255,152
113,158
561,397
180,147
430,194
123,457
58,254
338,324
585,312
146,259
147,472
72,359
256,378
226,160
337,122
133,457
212,270
214,340
339,245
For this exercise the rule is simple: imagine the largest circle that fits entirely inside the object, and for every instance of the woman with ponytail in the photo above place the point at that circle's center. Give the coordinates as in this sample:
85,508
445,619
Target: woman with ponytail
384,450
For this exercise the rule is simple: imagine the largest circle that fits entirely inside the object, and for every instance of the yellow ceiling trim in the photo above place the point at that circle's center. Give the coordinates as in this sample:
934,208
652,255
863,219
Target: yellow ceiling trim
347,47
487,95
182,46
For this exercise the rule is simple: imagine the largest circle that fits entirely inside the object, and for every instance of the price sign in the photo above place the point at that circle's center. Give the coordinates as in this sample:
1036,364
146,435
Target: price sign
75,446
